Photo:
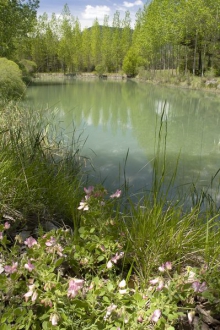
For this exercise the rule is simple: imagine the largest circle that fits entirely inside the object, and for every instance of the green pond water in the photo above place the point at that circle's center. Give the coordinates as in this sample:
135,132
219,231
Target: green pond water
119,117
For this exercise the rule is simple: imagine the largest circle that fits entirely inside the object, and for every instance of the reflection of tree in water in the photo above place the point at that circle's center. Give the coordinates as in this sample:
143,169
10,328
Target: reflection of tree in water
192,118
192,131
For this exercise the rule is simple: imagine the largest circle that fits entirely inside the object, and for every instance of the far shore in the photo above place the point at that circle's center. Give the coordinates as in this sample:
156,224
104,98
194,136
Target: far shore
197,83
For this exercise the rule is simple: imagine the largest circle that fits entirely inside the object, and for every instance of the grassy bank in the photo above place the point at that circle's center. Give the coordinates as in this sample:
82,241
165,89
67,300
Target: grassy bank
209,82
107,264
171,78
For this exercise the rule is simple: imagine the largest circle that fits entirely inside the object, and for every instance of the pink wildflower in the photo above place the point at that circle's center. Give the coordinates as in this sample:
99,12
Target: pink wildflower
117,257
51,241
7,225
31,293
83,205
156,315
47,302
34,296
11,269
30,241
29,266
110,309
154,281
122,291
54,318
199,287
122,284
160,286
89,190
140,319
117,194
74,286
59,250
1,235
109,264
162,268
166,266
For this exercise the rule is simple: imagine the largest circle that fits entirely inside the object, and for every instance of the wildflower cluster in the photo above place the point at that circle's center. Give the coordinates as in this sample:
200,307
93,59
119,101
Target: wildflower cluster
83,278
97,194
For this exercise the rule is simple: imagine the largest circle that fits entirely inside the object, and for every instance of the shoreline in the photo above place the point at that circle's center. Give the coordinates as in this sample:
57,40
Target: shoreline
118,76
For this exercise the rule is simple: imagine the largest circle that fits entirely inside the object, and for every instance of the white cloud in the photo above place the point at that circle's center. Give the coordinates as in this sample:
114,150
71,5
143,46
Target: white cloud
99,12
132,4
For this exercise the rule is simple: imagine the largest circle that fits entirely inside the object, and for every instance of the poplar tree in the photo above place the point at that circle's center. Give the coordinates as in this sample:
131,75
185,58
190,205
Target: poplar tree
77,43
106,45
96,43
116,49
38,44
126,36
66,44
86,50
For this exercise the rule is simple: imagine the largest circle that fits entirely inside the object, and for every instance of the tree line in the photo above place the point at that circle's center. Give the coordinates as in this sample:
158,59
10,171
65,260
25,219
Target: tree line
174,35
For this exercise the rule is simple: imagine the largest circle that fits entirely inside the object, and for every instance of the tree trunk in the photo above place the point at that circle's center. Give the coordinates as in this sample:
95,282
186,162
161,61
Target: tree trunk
200,62
194,57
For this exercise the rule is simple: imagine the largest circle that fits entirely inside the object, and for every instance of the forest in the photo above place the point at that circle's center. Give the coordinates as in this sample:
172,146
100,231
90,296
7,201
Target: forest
178,35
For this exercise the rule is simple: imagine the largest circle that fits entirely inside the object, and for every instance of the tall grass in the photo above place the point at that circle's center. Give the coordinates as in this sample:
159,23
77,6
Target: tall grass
40,171
160,228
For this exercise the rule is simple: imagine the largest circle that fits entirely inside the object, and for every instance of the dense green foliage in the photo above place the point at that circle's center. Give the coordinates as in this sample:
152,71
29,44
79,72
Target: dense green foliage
28,69
16,21
180,36
11,84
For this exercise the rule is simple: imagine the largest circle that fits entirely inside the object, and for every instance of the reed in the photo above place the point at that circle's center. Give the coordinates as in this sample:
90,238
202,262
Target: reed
40,169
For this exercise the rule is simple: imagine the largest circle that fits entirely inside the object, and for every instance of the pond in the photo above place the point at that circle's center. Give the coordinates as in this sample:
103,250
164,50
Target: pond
119,123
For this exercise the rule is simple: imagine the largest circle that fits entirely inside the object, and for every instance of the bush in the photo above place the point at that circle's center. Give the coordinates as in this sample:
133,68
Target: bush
100,69
130,64
28,69
11,84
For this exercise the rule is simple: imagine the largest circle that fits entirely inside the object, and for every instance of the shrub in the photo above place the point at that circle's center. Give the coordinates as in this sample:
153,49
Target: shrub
11,84
130,63
100,69
28,69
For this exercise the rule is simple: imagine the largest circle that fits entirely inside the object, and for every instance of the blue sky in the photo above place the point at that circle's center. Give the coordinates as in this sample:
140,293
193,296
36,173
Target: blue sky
87,10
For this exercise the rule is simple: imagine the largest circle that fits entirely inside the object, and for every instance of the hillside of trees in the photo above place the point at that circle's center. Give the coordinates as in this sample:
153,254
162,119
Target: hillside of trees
176,35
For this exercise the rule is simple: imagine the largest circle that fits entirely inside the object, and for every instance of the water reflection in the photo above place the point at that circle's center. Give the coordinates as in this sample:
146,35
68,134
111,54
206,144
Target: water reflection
117,116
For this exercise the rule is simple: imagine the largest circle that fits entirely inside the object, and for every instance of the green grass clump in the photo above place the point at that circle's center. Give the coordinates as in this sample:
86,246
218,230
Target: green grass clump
39,175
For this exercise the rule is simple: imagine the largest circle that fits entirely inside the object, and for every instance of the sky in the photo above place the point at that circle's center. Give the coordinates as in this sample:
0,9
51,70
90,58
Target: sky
87,11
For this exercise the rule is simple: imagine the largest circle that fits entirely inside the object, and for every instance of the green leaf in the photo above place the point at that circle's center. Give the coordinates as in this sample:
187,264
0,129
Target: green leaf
44,325
100,258
110,287
82,230
137,296
106,299
58,262
5,327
